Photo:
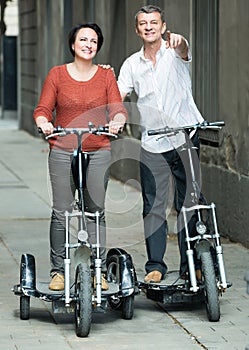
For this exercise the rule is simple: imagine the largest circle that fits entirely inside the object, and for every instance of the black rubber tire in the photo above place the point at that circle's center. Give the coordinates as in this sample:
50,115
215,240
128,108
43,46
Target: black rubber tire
127,307
114,302
24,307
125,304
83,305
210,287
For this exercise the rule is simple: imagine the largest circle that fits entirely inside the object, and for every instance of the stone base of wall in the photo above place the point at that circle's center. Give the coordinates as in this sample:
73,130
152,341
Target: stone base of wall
227,191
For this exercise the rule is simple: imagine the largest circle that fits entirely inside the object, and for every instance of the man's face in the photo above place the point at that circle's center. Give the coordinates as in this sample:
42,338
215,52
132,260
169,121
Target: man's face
150,27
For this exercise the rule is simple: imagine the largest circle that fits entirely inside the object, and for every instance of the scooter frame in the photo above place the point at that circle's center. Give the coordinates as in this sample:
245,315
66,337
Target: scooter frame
205,245
85,298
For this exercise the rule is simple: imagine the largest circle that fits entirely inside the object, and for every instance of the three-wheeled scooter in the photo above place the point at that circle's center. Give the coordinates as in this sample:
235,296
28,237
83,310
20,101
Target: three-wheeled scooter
82,294
205,246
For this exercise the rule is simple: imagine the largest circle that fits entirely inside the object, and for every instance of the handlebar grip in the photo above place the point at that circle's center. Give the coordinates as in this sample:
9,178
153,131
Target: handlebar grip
156,132
218,123
56,129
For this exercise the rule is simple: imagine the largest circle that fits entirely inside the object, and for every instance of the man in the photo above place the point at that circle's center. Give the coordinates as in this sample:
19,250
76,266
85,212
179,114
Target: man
159,75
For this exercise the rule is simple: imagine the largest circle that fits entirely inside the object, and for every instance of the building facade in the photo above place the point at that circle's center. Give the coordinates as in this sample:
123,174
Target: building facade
218,34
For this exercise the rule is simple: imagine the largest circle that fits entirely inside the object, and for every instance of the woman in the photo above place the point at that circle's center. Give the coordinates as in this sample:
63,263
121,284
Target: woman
79,92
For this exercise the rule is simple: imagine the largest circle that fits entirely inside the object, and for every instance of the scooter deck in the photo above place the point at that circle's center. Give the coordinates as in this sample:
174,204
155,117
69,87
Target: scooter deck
42,288
171,290
171,279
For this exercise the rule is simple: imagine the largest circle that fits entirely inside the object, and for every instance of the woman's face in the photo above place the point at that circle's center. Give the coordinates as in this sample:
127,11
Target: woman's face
85,45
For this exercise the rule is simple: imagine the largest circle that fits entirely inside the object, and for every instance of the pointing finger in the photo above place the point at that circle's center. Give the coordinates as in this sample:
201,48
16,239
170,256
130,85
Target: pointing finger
168,39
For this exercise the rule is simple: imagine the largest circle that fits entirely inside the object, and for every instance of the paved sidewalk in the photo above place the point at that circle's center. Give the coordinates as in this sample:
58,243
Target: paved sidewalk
24,221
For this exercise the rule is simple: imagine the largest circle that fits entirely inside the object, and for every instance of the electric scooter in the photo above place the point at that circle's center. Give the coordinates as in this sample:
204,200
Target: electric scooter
205,246
82,293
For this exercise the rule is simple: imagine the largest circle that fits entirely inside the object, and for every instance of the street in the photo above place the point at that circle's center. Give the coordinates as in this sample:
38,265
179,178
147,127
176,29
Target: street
24,225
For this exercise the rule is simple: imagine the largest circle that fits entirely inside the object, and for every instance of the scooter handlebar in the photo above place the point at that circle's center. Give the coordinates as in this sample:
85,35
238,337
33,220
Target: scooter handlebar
172,131
100,130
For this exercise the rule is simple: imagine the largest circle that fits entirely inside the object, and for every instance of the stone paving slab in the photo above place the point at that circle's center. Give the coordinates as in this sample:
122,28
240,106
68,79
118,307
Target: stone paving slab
24,223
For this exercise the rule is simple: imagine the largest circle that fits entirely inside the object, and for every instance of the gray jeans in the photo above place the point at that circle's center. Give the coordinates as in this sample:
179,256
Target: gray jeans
63,195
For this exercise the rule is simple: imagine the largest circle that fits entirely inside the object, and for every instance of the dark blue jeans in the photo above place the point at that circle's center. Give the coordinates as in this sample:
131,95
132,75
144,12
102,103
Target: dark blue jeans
157,171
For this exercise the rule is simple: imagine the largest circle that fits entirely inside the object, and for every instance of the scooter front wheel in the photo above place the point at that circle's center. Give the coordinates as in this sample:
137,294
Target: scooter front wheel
83,305
210,285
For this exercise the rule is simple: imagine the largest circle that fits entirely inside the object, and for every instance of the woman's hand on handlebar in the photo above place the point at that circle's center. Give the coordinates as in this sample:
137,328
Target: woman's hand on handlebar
115,127
117,124
44,126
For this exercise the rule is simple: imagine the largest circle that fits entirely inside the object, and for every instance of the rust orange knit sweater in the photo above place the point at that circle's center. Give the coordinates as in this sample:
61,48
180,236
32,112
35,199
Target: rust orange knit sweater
76,103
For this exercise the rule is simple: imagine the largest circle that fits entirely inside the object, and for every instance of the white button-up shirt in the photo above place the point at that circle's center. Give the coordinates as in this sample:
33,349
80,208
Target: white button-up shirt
164,95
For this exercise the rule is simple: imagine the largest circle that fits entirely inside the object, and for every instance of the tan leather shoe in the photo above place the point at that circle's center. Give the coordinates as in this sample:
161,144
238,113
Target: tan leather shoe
57,282
198,274
153,276
104,283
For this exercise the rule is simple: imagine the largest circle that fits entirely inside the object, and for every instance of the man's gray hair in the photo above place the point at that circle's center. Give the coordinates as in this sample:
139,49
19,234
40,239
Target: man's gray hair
150,9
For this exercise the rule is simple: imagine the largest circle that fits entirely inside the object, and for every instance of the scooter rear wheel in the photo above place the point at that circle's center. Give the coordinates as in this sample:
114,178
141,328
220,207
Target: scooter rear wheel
211,290
83,305
24,307
127,307
125,304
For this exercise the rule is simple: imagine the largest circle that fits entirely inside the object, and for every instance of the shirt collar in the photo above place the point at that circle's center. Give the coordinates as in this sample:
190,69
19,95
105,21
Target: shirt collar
160,52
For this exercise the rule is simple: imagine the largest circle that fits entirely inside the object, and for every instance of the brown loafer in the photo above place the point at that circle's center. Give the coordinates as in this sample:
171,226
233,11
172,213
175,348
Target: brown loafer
57,282
153,277
198,274
104,283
